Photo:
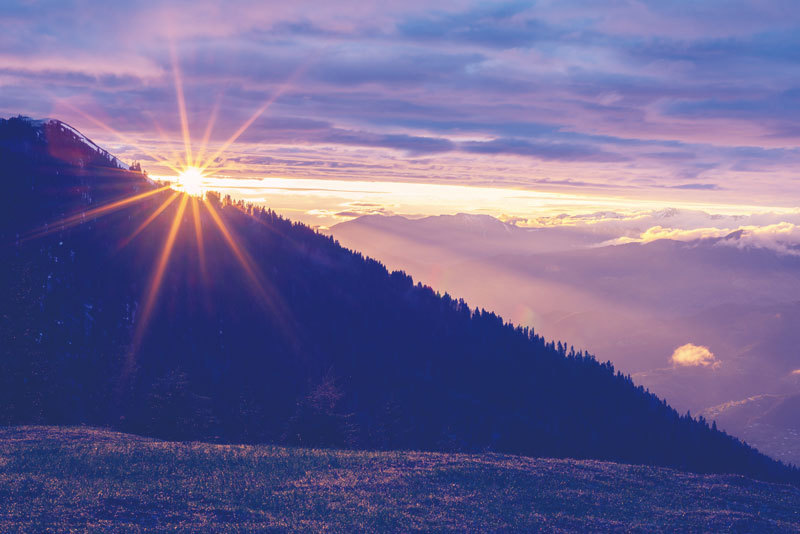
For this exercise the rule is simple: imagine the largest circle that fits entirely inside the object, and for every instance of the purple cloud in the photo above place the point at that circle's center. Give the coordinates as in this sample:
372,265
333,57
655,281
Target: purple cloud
645,95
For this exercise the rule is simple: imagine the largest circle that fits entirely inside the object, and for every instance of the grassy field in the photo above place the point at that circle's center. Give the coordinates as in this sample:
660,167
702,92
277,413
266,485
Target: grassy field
62,479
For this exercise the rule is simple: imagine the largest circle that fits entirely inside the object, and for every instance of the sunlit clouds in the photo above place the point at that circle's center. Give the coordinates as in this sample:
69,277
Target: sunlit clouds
653,103
782,237
690,355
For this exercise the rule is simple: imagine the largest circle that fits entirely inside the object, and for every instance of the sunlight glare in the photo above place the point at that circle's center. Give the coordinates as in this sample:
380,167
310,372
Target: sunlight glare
191,182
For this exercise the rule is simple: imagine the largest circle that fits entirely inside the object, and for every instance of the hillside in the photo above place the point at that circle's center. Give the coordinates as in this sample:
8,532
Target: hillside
633,304
266,331
80,478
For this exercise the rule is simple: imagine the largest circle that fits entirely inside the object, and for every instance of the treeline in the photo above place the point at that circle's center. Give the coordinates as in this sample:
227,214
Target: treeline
293,339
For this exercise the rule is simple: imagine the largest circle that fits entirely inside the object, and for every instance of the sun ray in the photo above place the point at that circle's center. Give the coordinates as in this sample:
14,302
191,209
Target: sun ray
198,232
240,254
174,154
187,141
209,128
158,274
149,220
81,217
120,136
268,297
189,176
260,111
237,133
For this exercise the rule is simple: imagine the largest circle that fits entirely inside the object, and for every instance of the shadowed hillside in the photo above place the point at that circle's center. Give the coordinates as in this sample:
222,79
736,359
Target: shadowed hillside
265,331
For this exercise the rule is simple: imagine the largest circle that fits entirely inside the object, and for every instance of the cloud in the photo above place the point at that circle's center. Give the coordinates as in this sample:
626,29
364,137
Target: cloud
691,355
697,187
545,151
410,143
352,210
501,25
358,209
512,219
398,68
652,95
656,233
796,372
782,237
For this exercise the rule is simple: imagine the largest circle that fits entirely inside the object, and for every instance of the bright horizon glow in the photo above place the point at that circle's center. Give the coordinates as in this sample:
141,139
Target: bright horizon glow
325,202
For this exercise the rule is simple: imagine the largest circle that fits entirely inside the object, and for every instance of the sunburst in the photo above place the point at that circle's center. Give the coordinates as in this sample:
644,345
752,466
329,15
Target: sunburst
189,186
191,182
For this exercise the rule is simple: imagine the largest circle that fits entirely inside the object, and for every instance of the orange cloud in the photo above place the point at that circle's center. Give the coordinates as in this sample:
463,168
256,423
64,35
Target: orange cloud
691,355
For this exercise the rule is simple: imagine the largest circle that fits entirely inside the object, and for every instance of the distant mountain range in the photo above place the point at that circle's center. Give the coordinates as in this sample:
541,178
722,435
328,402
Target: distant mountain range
264,330
633,304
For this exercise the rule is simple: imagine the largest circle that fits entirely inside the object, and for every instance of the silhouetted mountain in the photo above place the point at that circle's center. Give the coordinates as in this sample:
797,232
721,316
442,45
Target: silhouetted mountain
266,331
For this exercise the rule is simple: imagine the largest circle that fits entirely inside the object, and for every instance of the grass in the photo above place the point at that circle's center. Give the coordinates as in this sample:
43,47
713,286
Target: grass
79,479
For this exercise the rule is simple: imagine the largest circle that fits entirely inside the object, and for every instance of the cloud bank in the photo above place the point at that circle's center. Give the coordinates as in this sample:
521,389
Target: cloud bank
643,99
783,237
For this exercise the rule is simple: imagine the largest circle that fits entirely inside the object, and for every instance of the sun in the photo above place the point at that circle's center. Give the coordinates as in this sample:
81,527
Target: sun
191,181
192,174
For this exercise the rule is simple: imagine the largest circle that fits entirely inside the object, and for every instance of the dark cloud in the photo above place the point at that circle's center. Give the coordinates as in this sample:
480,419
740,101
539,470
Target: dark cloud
697,187
546,151
502,25
670,156
393,69
716,53
408,143
776,107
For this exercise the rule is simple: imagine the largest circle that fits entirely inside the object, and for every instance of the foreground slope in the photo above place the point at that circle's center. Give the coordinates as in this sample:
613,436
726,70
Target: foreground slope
285,338
78,478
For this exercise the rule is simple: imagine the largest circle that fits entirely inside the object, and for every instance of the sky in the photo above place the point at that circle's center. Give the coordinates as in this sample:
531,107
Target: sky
514,109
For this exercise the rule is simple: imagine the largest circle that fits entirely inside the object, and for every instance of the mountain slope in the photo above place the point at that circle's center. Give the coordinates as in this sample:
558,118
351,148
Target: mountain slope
270,331
633,304
88,479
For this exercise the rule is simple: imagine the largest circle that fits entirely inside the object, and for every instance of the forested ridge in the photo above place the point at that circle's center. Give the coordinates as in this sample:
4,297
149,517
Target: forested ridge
314,345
